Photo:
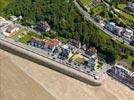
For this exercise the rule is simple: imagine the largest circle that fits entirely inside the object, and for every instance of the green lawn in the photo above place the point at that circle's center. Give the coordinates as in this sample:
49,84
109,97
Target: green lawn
122,6
126,17
96,10
130,58
86,2
99,9
4,3
25,38
106,36
126,46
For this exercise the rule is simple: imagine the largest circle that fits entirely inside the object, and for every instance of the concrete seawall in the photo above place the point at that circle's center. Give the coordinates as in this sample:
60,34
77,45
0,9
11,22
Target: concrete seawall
48,63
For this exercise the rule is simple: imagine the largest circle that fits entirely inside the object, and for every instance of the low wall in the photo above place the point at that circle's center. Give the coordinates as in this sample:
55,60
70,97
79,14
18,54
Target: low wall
49,63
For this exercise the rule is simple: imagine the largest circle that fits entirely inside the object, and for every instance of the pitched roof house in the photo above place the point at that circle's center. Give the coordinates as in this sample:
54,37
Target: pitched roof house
128,35
43,26
123,74
52,43
131,7
112,27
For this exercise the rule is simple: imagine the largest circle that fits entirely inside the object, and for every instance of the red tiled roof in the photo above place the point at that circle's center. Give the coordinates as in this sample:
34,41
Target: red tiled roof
52,43
46,43
92,49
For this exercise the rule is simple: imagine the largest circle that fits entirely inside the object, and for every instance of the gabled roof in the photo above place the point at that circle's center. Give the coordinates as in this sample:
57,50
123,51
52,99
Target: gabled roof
92,49
52,43
128,32
10,28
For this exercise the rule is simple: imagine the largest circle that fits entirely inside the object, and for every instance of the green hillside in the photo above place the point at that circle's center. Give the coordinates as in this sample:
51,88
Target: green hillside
4,3
86,2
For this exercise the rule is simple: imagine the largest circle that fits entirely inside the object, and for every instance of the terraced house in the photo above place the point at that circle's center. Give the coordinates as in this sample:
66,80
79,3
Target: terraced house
123,75
131,7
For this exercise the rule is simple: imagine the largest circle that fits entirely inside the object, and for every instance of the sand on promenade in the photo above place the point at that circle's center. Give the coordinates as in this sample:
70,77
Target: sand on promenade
63,87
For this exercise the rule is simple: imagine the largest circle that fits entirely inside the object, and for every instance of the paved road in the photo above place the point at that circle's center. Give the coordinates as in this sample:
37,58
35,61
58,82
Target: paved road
87,15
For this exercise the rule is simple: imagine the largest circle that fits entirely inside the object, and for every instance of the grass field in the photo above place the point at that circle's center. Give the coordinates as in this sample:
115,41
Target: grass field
4,3
25,38
126,17
131,58
96,10
122,6
100,10
86,2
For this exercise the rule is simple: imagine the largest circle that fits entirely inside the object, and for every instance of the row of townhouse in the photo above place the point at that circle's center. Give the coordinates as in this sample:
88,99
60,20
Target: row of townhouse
131,7
125,33
65,51
123,74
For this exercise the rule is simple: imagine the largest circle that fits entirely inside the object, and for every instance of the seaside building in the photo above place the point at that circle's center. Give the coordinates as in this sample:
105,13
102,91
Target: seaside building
128,35
51,44
91,51
75,43
10,29
118,30
65,53
123,74
43,26
36,42
92,58
112,27
40,43
131,7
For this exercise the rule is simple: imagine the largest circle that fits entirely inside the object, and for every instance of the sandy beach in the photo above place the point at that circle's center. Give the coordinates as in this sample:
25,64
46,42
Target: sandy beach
23,79
17,85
